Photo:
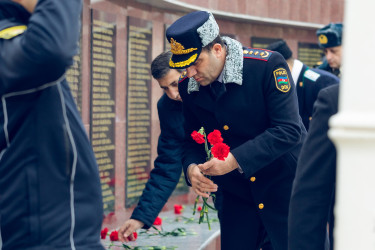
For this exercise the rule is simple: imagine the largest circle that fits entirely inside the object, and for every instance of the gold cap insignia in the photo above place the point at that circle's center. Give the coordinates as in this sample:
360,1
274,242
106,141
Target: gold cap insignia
323,39
178,49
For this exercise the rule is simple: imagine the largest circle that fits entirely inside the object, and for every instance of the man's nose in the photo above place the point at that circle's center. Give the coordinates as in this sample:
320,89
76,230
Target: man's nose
190,72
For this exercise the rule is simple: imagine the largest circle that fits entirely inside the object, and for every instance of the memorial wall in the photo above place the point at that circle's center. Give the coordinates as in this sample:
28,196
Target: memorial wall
138,129
102,108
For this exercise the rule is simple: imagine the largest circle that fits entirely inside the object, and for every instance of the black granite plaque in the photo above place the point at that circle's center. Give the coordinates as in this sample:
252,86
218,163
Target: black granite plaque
262,42
74,77
103,82
310,53
138,113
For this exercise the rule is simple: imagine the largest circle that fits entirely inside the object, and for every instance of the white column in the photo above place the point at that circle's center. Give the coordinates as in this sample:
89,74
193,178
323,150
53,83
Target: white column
353,131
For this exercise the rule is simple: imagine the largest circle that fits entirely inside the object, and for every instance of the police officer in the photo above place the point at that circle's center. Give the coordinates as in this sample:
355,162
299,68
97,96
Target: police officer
50,194
330,38
248,95
309,81
167,166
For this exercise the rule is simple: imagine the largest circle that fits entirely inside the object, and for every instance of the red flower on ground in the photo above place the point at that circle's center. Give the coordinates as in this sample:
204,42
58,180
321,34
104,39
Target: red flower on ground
197,137
158,221
114,236
214,137
135,236
199,208
103,233
178,209
220,151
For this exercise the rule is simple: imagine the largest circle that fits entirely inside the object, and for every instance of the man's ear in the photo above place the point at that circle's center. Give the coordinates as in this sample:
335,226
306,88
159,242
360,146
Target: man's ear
218,50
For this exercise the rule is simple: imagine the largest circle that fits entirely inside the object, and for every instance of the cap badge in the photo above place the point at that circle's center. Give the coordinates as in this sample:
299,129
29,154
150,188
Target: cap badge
323,39
178,49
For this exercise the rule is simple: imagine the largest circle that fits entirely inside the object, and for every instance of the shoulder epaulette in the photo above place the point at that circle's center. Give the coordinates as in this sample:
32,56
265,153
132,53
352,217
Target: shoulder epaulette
11,32
258,54
312,75
183,76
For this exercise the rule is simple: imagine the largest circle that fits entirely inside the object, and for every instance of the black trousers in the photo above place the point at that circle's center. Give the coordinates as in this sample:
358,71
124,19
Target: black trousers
241,226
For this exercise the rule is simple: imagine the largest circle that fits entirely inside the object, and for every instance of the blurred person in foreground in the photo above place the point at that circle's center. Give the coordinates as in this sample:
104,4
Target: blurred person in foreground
248,95
309,81
50,195
313,193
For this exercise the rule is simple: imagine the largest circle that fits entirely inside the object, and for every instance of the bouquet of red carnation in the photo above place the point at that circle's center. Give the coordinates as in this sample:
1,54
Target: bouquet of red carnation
218,150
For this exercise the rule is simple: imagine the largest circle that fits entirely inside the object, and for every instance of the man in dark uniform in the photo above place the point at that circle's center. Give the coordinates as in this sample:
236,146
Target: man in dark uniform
330,37
50,195
308,81
167,166
248,95
313,188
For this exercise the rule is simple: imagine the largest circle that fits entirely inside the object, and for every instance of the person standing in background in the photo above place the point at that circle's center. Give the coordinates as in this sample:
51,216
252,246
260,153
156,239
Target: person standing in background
50,192
330,39
309,81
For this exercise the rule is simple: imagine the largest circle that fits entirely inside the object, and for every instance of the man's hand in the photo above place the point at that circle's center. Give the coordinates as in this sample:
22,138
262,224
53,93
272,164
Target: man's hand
201,185
218,167
128,228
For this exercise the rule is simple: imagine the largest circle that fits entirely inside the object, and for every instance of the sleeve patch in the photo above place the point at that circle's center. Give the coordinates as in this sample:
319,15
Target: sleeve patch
282,80
182,76
11,32
313,76
258,54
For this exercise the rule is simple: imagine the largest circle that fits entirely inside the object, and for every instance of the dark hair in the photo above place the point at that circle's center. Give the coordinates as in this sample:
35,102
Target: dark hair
160,65
209,46
13,10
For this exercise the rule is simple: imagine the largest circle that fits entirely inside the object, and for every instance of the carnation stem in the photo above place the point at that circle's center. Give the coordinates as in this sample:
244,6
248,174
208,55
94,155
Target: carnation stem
195,204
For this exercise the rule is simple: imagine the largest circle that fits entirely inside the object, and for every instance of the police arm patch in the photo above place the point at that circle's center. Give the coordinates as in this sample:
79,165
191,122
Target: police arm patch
182,76
282,80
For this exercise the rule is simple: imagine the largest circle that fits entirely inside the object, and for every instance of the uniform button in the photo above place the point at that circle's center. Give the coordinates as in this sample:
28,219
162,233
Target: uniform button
226,127
261,206
301,84
252,179
310,118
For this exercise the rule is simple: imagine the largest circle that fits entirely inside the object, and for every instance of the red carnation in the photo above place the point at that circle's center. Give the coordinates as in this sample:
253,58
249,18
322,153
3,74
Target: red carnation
197,137
135,236
199,208
114,236
103,233
220,151
158,221
178,209
214,137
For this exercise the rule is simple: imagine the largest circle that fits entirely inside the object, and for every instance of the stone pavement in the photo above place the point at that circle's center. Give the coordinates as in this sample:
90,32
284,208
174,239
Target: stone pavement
198,236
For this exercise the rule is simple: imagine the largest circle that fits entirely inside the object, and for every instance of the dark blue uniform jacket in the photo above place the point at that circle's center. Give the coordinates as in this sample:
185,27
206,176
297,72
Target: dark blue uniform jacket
167,166
50,195
310,82
259,120
314,185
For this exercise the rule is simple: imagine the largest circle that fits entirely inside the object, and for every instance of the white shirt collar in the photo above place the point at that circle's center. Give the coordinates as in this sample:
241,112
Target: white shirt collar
296,71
